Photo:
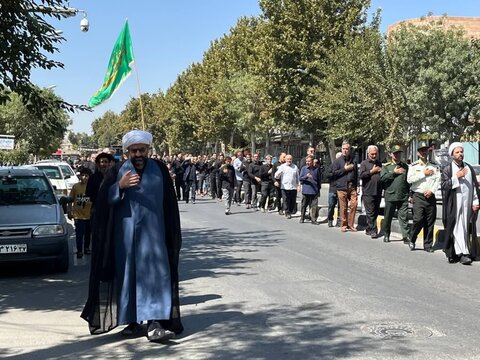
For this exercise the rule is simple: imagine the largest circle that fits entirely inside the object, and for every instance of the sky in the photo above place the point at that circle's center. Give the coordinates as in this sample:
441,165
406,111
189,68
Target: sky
167,37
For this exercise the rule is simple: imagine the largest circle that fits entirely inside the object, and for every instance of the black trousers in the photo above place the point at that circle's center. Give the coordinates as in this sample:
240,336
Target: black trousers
267,191
247,192
372,208
312,201
424,215
279,198
213,185
289,198
179,186
238,192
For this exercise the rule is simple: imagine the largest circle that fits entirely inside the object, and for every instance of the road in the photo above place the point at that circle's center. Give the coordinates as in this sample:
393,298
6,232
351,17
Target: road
259,286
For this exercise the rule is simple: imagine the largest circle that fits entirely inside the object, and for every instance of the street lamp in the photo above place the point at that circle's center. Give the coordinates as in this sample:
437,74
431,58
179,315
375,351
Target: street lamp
66,12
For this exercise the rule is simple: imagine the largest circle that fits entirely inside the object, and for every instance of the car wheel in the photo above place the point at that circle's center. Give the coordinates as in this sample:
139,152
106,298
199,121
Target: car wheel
61,264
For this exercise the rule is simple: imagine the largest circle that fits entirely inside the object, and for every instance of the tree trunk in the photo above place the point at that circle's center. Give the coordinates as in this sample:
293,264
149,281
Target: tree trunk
252,142
331,149
267,142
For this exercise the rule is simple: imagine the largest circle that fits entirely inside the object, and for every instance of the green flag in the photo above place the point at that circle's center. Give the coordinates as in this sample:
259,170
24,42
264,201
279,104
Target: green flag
118,68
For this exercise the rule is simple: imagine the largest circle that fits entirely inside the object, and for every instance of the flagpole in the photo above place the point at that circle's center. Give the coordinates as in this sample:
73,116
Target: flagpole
138,88
139,96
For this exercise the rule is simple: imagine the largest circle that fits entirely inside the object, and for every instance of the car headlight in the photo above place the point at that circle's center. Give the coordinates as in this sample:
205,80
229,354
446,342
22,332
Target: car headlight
45,230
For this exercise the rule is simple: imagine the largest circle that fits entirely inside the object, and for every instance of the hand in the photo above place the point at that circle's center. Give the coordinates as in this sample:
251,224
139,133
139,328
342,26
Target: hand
348,167
309,175
475,208
270,171
257,179
399,170
427,194
375,169
128,180
462,173
276,183
427,172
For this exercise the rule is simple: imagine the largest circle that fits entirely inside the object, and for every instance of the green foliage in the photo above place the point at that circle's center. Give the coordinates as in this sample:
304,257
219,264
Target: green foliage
25,39
37,134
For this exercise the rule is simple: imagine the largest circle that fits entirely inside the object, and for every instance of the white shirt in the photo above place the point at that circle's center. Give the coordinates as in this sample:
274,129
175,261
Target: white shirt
288,175
237,164
420,182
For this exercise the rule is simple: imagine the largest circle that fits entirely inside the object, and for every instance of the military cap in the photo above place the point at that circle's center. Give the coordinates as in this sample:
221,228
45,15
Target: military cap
395,148
422,144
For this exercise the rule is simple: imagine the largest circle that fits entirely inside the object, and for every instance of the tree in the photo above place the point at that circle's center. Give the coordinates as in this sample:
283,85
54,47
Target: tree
106,130
437,69
37,134
25,39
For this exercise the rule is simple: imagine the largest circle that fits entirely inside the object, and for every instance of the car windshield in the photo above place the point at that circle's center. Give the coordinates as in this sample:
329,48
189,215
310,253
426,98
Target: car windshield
53,172
66,170
21,190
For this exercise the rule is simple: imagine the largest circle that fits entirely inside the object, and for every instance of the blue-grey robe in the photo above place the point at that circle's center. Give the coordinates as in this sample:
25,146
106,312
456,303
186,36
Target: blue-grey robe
141,258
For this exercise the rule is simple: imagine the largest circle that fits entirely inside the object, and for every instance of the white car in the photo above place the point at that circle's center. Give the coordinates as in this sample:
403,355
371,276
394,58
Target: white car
60,173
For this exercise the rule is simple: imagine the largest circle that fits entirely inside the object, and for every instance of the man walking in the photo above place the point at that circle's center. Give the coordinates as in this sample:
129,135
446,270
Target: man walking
394,180
134,273
460,208
288,175
237,165
370,169
424,177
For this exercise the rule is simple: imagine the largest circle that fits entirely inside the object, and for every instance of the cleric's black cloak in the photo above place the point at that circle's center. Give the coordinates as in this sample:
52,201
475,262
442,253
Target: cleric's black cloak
100,310
449,212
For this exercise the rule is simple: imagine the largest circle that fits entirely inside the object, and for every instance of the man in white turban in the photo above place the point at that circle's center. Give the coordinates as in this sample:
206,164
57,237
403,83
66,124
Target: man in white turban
137,257
460,208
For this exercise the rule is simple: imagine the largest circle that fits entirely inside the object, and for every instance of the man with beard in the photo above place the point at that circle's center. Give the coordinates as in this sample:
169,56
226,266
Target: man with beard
460,208
212,176
189,179
369,172
134,273
216,167
344,170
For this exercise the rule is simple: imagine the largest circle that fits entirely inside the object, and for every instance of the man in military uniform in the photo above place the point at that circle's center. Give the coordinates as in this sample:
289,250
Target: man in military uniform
394,180
424,177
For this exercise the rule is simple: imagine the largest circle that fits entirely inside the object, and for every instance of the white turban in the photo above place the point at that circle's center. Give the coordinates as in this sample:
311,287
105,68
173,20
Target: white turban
136,137
453,146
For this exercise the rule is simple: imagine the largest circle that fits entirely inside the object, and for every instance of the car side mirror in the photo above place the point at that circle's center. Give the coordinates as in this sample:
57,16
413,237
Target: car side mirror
68,176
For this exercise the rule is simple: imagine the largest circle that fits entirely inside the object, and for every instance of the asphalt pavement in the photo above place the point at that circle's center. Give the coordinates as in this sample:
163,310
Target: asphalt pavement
259,286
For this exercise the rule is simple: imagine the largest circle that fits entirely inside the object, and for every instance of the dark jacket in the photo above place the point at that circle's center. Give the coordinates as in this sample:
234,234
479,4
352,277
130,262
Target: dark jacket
244,170
189,171
311,180
371,183
227,176
343,177
254,170
93,185
265,175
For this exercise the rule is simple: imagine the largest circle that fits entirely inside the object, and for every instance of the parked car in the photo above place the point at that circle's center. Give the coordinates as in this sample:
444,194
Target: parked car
32,224
60,174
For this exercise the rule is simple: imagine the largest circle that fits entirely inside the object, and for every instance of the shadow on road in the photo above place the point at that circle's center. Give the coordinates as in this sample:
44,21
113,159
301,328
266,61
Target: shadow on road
310,331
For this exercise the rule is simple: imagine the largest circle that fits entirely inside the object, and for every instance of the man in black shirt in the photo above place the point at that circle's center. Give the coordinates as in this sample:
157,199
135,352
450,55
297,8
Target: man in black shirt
345,172
370,169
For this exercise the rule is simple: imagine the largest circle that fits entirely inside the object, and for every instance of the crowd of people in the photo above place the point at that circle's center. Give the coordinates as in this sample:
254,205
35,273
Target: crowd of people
127,211
264,186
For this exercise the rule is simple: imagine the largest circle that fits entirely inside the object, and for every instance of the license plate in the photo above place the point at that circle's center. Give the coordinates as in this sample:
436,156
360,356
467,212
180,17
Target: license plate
13,249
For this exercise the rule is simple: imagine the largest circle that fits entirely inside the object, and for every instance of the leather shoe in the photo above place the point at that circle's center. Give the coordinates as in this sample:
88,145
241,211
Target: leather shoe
302,221
405,241
465,260
375,235
386,238
330,223
429,249
315,222
411,245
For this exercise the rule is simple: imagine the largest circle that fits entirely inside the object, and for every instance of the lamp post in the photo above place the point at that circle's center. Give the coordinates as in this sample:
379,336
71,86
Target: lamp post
65,12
